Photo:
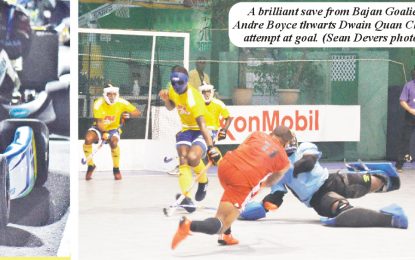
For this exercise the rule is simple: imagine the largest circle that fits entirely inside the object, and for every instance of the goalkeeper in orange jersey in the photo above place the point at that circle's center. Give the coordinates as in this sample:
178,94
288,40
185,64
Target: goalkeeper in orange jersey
108,112
218,110
194,140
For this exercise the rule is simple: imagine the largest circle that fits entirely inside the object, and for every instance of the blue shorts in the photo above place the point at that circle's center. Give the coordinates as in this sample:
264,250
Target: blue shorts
191,137
113,132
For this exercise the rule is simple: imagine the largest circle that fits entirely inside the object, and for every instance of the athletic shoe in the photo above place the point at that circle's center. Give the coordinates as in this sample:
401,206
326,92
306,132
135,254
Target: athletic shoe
201,191
227,240
187,203
89,172
399,219
270,206
117,174
175,171
182,232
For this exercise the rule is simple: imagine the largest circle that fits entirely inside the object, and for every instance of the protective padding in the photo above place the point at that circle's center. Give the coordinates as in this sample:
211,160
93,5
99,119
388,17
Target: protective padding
359,217
179,81
393,209
399,219
253,211
384,168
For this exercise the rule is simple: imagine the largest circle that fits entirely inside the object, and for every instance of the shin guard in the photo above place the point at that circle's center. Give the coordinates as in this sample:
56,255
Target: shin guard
359,217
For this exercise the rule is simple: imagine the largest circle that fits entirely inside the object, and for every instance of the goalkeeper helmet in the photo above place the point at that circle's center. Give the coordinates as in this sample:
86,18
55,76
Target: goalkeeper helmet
207,92
111,94
292,145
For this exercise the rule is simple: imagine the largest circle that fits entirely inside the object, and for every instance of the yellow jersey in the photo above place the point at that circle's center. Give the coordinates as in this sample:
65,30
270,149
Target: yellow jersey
111,114
190,105
217,109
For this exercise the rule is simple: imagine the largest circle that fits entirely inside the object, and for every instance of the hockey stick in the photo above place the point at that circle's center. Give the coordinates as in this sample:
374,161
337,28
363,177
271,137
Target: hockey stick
255,190
197,207
172,208
167,159
85,160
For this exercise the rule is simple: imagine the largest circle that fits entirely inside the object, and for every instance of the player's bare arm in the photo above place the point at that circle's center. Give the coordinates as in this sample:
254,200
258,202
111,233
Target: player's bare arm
228,122
136,113
222,132
164,95
203,129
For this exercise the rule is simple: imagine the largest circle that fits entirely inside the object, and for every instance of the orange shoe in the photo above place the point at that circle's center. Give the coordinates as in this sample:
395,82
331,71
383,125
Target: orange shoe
227,240
89,172
117,174
182,232
270,206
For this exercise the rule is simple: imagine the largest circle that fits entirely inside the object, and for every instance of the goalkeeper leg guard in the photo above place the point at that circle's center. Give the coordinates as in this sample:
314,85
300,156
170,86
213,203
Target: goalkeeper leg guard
88,151
115,153
359,217
399,219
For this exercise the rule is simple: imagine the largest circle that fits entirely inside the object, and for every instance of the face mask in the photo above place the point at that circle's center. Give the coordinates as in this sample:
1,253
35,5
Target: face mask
179,82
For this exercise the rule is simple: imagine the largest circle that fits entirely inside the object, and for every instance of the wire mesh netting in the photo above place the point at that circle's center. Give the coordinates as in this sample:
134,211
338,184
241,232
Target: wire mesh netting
126,61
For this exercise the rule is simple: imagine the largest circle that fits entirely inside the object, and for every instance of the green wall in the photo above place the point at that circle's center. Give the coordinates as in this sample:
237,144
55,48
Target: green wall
373,77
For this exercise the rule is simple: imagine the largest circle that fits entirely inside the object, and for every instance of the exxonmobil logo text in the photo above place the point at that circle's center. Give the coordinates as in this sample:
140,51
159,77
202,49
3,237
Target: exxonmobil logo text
297,120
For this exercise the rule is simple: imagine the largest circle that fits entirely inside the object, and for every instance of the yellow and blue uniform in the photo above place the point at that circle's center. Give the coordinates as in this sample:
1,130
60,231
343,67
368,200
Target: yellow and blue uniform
111,117
111,114
190,105
217,109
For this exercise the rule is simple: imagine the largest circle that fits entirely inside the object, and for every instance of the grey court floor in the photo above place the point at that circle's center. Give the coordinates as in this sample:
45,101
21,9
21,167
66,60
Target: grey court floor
124,220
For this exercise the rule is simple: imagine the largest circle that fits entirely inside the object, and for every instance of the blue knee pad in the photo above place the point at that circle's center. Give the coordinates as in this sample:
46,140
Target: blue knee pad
253,211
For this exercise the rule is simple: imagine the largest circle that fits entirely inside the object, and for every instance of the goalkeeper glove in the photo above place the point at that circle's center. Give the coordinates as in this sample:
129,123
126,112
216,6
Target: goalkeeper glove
214,155
222,134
